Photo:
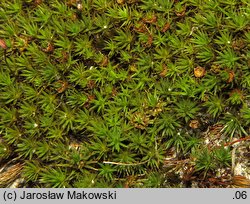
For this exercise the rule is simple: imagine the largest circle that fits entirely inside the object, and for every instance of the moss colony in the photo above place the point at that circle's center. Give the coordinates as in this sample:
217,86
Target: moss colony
124,93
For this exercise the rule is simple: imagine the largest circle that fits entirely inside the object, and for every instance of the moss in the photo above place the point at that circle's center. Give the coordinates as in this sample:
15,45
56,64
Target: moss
99,93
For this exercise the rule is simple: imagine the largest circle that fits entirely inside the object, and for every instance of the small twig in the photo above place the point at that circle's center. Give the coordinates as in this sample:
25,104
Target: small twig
239,140
234,150
124,164
176,162
233,159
